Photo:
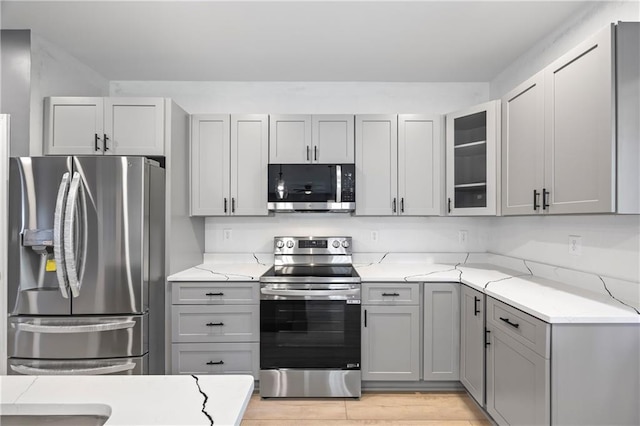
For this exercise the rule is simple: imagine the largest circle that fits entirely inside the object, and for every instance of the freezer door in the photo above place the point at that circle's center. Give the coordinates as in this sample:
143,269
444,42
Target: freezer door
32,280
129,366
77,337
108,251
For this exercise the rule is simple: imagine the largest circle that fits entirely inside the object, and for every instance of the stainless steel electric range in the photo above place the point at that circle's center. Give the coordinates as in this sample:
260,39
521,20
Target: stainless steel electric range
310,320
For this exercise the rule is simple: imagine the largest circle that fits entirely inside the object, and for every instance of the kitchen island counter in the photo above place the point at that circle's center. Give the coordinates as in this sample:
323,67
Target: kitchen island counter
137,400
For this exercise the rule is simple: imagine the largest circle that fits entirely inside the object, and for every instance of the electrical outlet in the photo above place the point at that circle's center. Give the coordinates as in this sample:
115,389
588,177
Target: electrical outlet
463,237
575,245
226,234
374,235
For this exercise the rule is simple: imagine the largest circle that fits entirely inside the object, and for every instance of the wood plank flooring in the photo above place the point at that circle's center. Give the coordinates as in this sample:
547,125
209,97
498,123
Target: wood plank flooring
414,408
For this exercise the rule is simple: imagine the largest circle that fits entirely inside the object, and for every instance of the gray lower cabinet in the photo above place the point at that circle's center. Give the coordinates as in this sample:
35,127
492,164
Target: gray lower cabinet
472,348
441,331
518,366
215,328
391,331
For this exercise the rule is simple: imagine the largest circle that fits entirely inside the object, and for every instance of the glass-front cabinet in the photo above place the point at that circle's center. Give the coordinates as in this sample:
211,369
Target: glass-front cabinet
472,160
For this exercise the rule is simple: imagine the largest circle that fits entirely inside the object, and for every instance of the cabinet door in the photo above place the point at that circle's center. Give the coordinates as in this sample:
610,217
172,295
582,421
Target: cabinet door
580,137
472,160
73,126
390,343
523,147
134,126
210,165
441,331
289,139
419,160
332,139
517,382
472,342
376,165
249,162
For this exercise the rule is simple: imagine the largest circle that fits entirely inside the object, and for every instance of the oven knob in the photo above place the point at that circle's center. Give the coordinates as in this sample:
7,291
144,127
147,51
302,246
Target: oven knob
345,244
279,243
290,244
336,244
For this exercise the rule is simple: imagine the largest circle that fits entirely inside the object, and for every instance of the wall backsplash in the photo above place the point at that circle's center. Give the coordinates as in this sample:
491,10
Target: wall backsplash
394,234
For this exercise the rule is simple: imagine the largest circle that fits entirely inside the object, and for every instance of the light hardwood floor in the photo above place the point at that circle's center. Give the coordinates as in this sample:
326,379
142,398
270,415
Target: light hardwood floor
415,408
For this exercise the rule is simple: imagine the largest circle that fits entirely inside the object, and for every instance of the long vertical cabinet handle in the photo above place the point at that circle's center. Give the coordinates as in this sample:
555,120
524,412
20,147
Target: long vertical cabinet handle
365,317
308,153
233,204
486,337
104,142
545,199
70,236
536,197
96,139
315,153
225,204
402,205
476,311
393,205
58,235
449,205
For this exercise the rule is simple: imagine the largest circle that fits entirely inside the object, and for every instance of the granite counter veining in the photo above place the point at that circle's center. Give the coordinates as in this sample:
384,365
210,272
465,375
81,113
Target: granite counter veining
137,400
552,294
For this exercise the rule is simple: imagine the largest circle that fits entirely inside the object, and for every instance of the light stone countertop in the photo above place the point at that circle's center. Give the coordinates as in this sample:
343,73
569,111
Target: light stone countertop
135,400
539,290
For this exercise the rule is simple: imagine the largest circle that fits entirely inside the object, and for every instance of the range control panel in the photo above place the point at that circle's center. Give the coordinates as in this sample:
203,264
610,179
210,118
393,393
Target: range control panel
312,245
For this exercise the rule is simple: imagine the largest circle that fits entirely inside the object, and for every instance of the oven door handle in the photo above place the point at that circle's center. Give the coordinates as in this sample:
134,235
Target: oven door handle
314,293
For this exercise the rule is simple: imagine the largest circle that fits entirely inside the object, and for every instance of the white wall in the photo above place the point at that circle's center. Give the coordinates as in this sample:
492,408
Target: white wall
395,234
309,97
54,72
611,244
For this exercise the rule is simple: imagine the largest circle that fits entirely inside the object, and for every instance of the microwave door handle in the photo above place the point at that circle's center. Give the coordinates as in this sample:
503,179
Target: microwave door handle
109,369
338,183
58,235
70,235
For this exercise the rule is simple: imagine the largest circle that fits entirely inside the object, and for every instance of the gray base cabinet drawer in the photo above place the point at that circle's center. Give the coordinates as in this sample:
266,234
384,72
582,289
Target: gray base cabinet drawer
528,330
215,323
215,358
185,293
391,294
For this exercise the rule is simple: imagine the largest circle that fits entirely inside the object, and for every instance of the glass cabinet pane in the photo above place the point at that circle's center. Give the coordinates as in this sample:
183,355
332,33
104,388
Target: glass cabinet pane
470,160
470,128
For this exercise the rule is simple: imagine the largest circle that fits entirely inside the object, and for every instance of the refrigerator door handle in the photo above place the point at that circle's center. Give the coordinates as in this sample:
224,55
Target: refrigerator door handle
110,369
70,242
58,235
84,328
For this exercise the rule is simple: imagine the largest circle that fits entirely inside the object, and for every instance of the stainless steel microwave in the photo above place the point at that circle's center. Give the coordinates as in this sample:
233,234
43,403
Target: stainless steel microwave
312,187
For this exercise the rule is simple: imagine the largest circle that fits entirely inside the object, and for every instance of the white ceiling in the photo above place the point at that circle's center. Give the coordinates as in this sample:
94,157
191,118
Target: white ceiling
293,40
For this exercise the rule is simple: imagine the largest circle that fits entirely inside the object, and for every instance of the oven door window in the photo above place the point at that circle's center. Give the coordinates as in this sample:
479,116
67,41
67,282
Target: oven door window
309,334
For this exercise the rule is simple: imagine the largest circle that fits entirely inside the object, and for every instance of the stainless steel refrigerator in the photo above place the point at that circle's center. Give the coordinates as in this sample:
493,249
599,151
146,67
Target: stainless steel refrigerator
85,266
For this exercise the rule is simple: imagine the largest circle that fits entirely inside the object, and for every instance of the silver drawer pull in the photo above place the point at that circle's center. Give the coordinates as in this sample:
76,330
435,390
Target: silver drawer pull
512,324
214,324
85,328
110,369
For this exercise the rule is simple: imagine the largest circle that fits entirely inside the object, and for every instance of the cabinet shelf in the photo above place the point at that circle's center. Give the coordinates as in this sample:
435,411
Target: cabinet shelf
470,144
471,185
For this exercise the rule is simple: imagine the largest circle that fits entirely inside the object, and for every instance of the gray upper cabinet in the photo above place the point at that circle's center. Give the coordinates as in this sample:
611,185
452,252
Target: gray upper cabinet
376,165
398,165
104,126
579,129
441,331
321,139
332,139
563,150
472,152
523,147
290,139
229,157
472,348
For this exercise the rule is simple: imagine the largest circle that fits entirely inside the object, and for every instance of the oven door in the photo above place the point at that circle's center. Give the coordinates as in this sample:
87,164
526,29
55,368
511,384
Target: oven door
319,330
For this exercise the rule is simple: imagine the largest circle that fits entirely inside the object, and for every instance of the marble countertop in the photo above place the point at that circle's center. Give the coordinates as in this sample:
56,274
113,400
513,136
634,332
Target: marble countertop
135,400
552,294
